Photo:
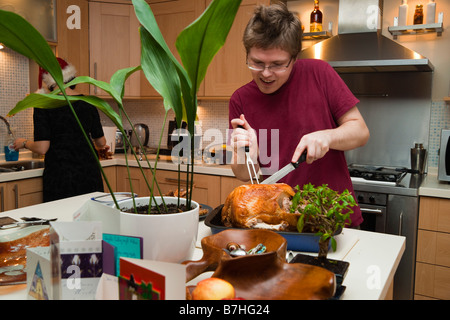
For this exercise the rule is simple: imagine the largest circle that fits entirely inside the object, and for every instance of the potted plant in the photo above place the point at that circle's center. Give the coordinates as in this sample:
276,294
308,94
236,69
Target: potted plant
323,211
177,84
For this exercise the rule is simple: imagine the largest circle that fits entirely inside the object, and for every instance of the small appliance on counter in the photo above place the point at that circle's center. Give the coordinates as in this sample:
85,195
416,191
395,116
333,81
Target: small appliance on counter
120,142
142,133
111,137
444,156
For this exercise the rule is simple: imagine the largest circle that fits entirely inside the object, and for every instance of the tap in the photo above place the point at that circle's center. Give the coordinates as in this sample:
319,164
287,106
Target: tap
7,125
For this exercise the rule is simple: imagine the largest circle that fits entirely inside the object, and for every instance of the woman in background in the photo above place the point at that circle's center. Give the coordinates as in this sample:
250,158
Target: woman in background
70,167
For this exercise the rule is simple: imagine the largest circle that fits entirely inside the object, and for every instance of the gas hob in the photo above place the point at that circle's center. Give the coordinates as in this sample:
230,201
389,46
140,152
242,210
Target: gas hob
392,180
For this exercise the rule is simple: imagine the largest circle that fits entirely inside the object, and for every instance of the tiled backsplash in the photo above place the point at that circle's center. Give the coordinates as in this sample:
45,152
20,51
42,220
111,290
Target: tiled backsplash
440,119
211,114
14,85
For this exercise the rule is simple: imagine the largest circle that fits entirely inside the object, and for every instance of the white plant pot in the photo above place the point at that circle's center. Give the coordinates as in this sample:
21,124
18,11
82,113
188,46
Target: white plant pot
166,237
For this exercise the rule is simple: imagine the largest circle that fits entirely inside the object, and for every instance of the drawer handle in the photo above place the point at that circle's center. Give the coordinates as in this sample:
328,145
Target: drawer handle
2,198
16,195
95,76
373,211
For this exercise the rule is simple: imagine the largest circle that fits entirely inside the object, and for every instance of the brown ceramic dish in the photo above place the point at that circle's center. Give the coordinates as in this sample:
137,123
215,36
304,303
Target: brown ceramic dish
261,276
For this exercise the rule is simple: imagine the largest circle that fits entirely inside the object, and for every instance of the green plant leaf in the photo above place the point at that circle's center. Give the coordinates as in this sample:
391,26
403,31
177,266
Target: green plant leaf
19,35
117,82
160,67
333,243
160,72
301,223
49,101
198,43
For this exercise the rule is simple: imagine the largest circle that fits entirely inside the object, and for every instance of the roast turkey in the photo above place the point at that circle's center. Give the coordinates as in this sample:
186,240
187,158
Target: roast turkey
264,206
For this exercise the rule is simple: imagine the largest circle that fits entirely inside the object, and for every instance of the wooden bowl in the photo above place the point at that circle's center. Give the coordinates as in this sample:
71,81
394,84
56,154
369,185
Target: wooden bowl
264,276
213,246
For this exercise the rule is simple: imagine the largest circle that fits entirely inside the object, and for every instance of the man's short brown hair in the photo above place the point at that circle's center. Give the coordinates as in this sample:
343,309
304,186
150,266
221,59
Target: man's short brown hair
274,26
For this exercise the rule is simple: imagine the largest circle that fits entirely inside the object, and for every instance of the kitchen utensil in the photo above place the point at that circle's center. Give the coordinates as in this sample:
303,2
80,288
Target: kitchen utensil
285,170
27,222
418,158
250,165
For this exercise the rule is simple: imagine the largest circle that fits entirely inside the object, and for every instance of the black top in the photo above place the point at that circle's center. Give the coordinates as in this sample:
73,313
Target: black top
70,167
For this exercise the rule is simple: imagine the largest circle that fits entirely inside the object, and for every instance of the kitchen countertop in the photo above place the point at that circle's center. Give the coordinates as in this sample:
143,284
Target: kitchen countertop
164,163
373,257
430,187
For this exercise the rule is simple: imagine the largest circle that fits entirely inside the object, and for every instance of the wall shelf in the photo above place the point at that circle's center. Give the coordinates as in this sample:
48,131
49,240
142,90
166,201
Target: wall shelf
316,35
417,29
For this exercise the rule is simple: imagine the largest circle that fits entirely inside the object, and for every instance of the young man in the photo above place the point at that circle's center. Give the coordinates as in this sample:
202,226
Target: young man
292,106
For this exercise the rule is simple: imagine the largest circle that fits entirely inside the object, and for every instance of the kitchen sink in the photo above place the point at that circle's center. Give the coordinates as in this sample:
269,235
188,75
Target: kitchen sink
21,165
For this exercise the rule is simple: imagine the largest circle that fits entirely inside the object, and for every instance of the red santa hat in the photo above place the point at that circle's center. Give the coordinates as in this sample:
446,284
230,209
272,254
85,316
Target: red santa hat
68,70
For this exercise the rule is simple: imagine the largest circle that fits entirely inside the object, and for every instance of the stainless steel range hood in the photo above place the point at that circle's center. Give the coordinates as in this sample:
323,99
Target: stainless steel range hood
360,46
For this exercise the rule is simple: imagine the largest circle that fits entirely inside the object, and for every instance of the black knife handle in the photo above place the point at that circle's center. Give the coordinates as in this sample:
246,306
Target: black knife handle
246,148
300,160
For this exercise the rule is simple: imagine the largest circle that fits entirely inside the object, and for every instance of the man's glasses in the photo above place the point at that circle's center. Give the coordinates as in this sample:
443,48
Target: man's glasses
273,68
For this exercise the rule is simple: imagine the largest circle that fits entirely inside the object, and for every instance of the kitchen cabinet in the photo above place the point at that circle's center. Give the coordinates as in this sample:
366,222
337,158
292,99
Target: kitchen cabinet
137,179
227,185
206,187
228,70
114,44
433,249
111,175
73,43
172,17
21,193
114,28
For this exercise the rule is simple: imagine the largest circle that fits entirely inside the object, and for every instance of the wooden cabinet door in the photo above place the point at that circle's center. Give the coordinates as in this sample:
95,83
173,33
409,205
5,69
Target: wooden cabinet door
114,44
228,70
137,179
206,187
73,42
23,193
111,175
172,17
227,185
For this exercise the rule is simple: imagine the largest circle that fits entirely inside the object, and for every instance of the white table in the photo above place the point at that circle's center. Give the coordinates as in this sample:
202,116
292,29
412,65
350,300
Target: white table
373,257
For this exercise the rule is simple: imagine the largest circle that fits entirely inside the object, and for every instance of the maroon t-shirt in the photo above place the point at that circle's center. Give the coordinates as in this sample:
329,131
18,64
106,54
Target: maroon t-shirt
312,99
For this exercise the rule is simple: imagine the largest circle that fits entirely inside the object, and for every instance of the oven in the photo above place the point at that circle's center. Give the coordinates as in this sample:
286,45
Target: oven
389,202
373,210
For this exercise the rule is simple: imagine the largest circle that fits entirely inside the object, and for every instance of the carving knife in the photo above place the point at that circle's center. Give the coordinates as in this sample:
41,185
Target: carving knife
285,170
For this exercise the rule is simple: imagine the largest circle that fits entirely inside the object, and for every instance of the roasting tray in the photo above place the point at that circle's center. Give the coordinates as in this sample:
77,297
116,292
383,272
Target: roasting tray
305,242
